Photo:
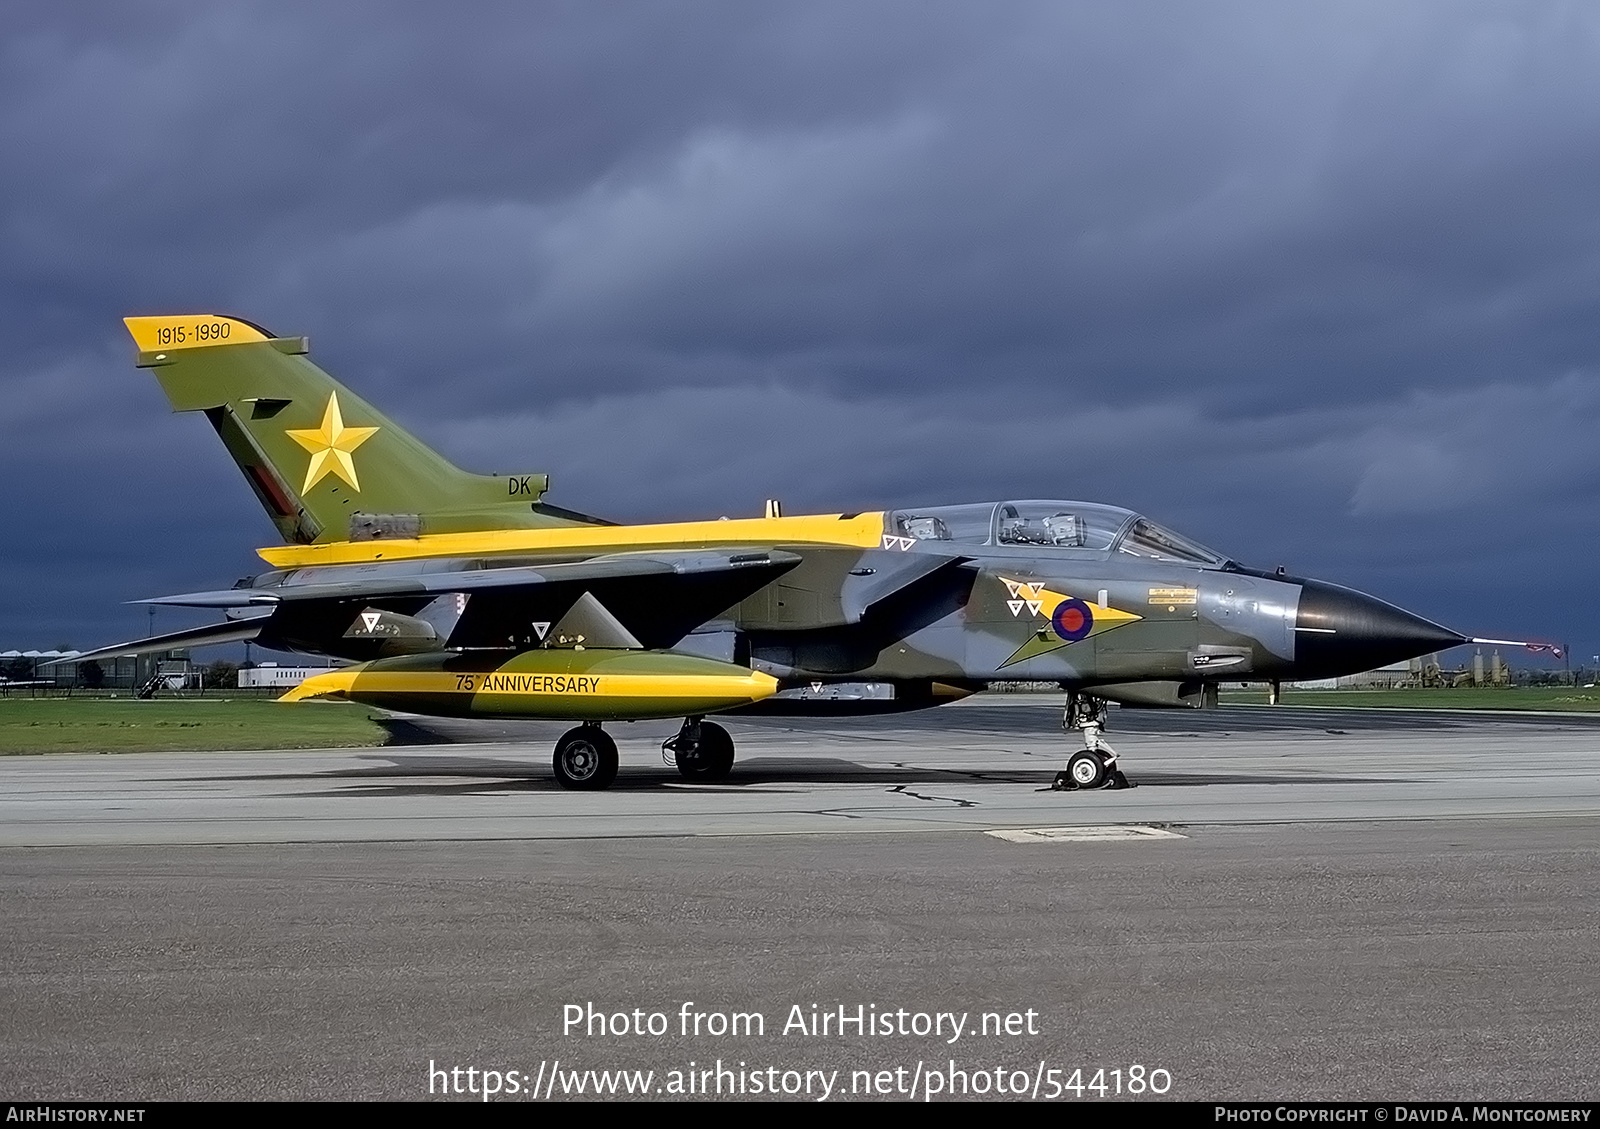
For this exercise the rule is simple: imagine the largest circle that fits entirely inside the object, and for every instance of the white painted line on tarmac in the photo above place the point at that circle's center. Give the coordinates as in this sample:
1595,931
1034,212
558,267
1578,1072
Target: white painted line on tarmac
1083,834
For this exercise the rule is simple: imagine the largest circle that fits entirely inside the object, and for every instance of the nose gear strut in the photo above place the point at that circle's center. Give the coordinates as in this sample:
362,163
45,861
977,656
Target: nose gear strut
1095,765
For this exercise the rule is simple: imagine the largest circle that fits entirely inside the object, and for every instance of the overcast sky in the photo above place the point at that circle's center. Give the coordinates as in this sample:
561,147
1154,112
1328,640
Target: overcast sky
1315,284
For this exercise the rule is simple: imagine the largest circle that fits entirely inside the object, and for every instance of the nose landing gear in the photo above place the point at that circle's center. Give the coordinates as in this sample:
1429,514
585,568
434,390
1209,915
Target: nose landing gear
1095,765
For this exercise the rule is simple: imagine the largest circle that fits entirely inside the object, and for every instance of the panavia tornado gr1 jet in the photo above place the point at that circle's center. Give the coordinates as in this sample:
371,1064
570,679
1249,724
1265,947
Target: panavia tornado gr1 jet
470,595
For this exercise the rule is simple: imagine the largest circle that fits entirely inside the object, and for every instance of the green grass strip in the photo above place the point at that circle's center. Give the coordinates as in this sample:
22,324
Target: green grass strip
123,725
1573,699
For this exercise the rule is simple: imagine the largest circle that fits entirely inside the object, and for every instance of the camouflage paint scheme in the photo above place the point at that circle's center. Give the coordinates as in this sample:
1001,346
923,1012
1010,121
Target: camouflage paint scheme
424,573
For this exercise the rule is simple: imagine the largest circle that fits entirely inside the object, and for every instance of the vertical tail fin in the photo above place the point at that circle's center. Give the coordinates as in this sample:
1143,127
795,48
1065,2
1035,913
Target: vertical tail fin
325,464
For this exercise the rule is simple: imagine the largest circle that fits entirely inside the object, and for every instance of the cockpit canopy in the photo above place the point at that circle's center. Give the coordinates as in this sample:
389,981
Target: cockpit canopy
1087,527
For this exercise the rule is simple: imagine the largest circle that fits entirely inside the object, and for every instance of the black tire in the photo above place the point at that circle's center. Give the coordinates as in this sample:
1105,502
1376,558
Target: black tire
711,758
585,759
1087,769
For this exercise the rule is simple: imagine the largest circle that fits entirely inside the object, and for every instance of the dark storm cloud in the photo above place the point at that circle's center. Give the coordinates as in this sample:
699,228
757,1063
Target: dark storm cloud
1316,283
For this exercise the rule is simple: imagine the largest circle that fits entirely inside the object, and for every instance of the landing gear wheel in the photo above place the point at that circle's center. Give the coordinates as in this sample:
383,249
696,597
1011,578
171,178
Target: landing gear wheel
1087,769
710,758
586,759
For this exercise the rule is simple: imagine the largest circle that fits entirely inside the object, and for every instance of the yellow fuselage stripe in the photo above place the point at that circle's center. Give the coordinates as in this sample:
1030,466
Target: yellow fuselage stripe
863,531
753,686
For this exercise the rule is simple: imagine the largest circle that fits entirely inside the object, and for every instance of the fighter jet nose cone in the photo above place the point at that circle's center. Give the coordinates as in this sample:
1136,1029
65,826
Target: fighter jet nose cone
1341,631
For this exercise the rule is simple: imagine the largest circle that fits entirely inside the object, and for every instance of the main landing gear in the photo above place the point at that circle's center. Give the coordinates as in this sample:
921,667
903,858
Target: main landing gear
586,759
1095,765
702,750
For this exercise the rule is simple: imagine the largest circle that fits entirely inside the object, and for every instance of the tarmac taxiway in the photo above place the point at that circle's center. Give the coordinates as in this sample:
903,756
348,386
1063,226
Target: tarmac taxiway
1346,904
969,767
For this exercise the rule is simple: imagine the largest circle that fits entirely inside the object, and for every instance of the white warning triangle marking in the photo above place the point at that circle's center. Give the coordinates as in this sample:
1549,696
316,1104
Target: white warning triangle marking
541,629
1034,605
1015,606
371,619
901,543
1011,585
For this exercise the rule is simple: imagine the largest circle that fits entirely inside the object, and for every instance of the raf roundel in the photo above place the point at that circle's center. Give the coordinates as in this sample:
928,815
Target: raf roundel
1072,620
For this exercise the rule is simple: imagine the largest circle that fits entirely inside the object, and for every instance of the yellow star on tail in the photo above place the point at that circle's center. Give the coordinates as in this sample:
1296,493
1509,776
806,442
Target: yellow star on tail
330,446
